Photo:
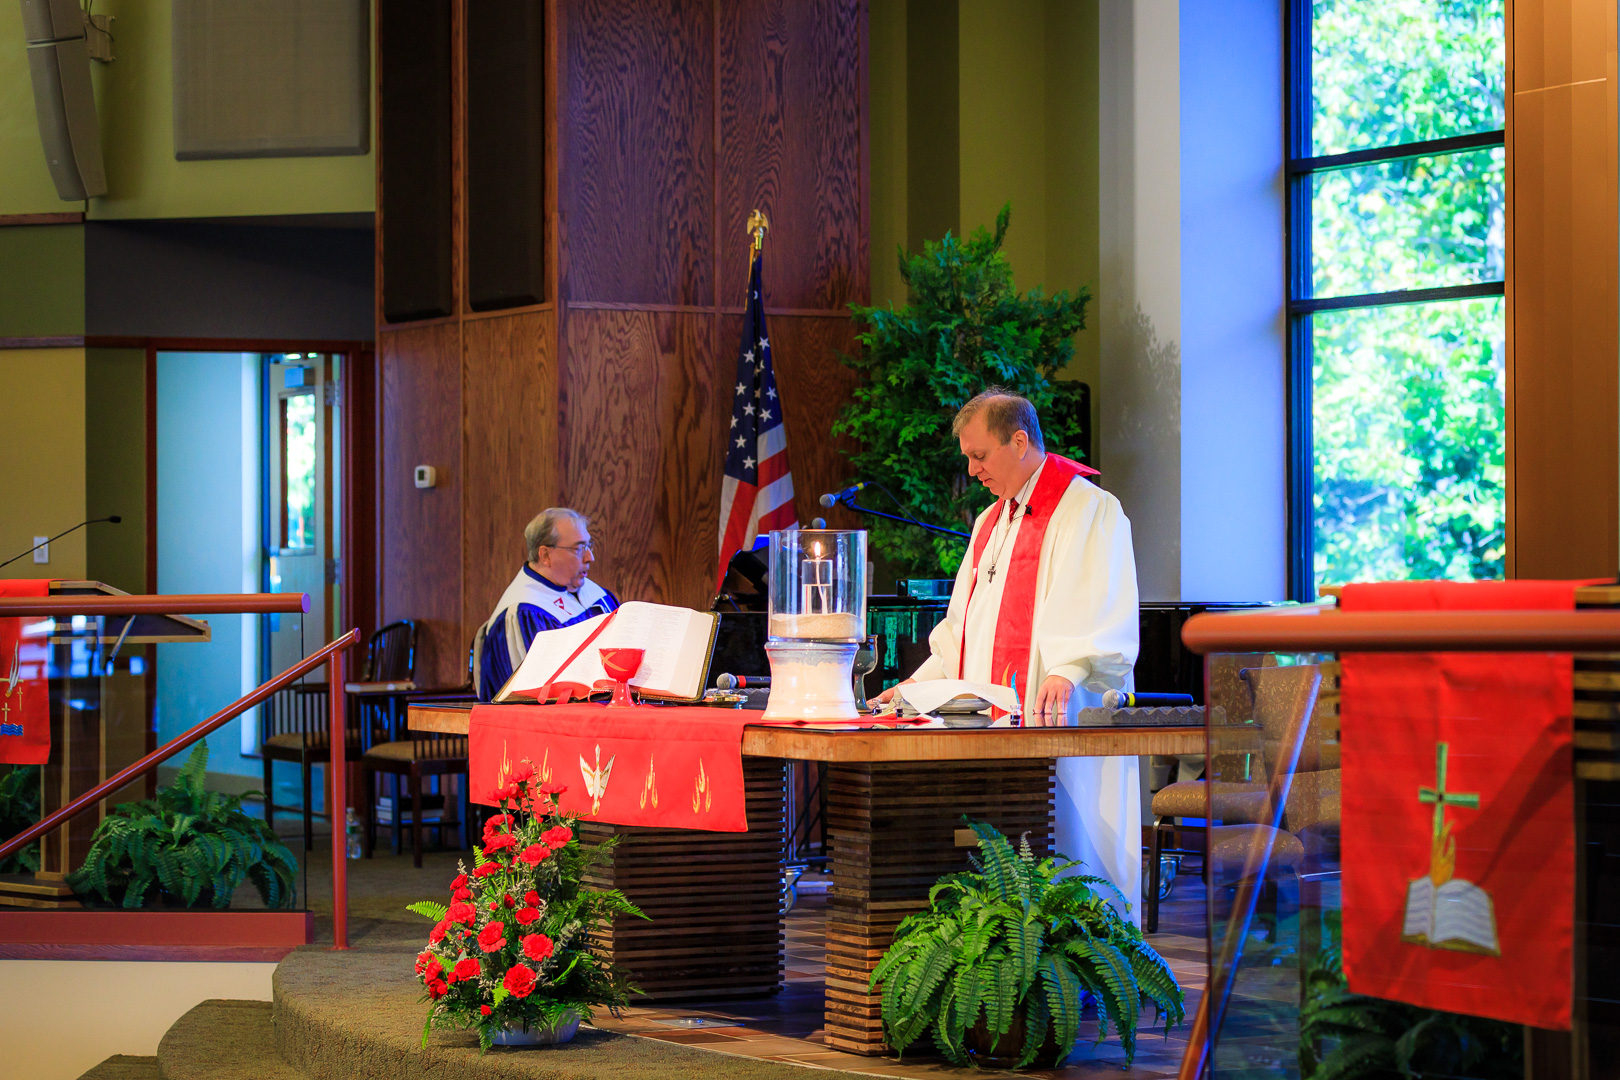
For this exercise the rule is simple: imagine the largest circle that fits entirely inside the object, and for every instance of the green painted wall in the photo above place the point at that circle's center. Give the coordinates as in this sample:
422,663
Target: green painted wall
1072,166
115,465
977,103
42,485
1003,134
886,137
41,279
135,101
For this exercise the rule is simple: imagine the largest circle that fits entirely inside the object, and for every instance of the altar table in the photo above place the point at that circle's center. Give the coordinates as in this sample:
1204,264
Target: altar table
895,800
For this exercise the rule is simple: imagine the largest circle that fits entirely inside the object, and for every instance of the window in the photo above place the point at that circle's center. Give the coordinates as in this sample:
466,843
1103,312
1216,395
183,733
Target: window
1395,308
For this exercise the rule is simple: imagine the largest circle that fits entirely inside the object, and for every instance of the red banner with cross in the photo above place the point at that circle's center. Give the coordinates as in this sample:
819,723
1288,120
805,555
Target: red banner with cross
1458,829
25,715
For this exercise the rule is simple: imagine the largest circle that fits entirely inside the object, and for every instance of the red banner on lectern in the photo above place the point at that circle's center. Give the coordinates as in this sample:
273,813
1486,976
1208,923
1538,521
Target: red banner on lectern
25,716
1458,831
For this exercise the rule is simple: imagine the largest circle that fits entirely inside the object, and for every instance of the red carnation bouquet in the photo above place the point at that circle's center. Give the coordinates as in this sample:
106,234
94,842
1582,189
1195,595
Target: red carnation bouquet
511,950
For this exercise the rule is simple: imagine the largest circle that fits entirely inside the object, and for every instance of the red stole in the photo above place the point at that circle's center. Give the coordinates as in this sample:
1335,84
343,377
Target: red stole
1015,624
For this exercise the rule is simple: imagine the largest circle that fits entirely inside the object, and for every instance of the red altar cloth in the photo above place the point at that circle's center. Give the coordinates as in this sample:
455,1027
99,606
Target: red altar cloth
667,766
1458,832
25,718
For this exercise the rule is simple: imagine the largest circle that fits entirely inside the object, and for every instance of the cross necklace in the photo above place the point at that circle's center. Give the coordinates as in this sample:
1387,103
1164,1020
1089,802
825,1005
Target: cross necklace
1014,512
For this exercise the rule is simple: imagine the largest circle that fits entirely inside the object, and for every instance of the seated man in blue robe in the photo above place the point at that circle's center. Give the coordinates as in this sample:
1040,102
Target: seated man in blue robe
553,589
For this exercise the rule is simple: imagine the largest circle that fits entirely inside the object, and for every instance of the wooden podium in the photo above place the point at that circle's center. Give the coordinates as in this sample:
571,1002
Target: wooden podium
100,722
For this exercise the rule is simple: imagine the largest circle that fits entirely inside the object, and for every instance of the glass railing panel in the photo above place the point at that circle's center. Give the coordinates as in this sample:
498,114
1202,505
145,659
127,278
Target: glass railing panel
113,698
1272,844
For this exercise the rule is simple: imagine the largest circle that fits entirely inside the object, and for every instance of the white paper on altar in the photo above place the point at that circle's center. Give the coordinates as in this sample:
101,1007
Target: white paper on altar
930,694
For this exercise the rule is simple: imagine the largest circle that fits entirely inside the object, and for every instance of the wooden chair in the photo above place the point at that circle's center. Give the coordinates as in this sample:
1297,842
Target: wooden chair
293,724
1240,807
424,754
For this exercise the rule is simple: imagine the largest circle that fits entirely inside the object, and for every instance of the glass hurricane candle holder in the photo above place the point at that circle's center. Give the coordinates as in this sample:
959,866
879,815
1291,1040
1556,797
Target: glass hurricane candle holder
818,584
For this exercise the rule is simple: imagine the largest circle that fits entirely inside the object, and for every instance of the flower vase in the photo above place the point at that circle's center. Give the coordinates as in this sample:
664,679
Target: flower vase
538,1034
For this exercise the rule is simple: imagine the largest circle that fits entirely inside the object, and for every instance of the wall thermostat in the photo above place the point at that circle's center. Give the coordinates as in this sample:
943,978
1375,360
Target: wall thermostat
426,476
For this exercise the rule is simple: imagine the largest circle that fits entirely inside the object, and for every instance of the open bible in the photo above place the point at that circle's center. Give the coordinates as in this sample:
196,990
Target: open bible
678,642
1458,915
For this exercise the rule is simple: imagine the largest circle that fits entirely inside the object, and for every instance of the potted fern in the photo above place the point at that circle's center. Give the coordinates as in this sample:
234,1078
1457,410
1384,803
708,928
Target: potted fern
188,847
999,967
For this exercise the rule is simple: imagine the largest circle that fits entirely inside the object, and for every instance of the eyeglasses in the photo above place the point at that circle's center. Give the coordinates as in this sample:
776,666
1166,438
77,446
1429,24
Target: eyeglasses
578,549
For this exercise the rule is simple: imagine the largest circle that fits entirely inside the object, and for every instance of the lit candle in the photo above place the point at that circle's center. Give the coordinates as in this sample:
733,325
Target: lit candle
816,590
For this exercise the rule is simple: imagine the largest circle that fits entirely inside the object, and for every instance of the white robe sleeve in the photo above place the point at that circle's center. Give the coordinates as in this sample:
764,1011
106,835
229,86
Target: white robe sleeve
945,640
1087,629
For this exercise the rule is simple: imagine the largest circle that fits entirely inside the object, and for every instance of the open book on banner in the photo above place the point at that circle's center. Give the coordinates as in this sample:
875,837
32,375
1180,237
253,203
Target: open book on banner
677,643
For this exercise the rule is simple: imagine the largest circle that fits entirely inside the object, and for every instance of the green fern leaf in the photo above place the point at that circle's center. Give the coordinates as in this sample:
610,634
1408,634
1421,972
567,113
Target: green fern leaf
1357,1057
428,910
1036,1020
928,975
967,994
1063,999
195,768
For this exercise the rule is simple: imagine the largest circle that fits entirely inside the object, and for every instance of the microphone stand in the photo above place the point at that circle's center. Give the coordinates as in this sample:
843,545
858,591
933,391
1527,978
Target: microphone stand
115,519
850,502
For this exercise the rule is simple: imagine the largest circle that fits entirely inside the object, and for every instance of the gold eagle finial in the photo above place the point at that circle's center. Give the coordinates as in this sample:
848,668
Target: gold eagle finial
758,225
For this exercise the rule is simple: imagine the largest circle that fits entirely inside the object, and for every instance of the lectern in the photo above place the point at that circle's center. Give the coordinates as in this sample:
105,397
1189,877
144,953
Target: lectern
99,702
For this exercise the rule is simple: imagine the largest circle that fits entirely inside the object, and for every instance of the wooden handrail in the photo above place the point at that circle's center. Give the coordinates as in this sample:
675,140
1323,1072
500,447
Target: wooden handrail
178,604
1312,629
329,653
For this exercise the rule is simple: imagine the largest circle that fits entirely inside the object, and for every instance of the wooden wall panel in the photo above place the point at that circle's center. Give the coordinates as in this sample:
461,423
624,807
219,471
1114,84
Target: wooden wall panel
1563,247
641,445
1558,42
790,145
637,146
510,461
422,530
814,388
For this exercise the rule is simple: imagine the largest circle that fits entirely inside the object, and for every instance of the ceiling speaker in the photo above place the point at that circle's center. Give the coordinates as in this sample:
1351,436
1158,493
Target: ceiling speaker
59,64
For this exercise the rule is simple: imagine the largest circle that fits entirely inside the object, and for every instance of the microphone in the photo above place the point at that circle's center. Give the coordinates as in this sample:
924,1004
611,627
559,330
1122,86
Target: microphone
1124,699
114,519
728,681
835,498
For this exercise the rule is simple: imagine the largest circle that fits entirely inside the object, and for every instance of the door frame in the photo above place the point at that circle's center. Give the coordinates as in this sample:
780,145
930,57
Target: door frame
358,403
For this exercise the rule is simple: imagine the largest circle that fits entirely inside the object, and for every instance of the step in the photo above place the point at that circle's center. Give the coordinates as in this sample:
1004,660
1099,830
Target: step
224,1040
358,1015
124,1067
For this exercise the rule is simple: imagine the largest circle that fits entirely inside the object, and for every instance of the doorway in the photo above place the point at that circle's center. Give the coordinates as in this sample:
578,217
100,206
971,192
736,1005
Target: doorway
302,493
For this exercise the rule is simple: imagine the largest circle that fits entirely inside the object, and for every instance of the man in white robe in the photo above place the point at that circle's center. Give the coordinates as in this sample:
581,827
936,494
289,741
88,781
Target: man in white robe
1081,638
552,589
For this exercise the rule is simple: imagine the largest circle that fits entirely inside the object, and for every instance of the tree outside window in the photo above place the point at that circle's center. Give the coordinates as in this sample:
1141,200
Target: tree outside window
1396,312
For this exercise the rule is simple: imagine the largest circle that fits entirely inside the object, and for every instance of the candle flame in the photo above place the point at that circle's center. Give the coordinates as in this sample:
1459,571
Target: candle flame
815,546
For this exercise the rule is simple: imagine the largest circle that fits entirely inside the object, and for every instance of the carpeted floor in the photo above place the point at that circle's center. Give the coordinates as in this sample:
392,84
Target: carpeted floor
784,1031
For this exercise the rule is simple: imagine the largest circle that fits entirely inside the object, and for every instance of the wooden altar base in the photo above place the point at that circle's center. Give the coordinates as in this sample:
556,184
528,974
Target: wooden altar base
691,947
892,827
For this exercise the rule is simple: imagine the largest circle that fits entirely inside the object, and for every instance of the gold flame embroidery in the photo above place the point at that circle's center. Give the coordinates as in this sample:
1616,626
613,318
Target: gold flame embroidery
649,786
702,791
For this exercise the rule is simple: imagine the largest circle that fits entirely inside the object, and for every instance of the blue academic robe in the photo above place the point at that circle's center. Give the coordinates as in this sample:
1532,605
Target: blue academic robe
530,604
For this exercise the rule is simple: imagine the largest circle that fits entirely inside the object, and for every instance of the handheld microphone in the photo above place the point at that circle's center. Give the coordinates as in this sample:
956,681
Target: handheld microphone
114,519
835,498
1124,699
729,681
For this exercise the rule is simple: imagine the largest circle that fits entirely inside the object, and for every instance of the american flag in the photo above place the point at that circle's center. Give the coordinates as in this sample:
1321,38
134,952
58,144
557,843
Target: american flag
758,492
